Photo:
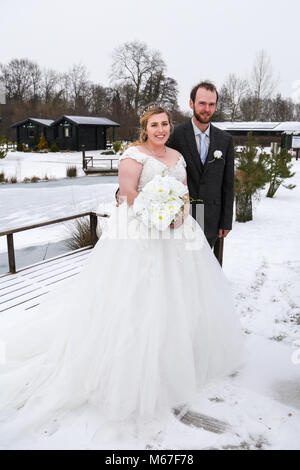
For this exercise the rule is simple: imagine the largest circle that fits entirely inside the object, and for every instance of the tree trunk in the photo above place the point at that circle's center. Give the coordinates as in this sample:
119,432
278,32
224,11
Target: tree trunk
273,188
243,207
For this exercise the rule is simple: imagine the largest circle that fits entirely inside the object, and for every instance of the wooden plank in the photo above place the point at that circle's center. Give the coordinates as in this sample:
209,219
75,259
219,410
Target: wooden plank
15,298
82,252
26,297
59,280
55,260
53,269
19,284
24,289
24,284
22,300
58,274
199,420
11,282
28,287
15,287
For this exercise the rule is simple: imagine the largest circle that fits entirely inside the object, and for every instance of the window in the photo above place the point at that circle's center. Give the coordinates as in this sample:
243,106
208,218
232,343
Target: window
31,131
67,130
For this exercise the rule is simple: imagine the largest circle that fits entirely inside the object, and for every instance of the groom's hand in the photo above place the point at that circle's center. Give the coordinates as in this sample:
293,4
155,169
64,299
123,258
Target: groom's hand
223,233
117,197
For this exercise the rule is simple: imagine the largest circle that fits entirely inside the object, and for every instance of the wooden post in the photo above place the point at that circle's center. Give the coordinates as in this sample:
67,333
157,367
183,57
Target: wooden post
11,253
93,229
218,250
83,157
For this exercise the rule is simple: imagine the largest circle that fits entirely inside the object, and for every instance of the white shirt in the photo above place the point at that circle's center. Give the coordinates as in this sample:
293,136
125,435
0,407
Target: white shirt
197,133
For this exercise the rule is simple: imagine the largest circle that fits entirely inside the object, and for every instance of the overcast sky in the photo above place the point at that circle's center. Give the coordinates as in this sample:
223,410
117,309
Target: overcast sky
197,39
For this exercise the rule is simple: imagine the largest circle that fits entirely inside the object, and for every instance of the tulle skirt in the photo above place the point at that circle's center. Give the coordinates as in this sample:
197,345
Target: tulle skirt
147,323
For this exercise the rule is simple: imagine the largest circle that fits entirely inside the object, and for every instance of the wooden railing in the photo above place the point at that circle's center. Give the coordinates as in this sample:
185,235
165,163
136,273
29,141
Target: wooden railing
88,161
218,248
10,233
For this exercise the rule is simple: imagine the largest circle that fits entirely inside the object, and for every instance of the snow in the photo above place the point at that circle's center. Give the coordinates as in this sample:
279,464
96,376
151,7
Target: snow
262,261
290,126
25,204
101,121
52,164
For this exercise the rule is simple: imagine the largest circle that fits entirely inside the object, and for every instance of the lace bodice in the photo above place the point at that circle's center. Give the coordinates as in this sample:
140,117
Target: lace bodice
153,167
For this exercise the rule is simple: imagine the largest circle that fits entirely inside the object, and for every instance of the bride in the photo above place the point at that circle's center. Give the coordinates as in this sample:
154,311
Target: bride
147,323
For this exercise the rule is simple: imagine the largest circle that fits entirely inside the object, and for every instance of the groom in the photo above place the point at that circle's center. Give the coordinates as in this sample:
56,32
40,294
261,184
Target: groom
209,155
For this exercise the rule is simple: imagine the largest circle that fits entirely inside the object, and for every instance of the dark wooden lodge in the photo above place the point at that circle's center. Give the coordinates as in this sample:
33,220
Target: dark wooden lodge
30,130
69,132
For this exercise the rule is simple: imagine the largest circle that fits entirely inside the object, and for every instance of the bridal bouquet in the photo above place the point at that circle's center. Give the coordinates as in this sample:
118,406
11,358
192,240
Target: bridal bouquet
160,201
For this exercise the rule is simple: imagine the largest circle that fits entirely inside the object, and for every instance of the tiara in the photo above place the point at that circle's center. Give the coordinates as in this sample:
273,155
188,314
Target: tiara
150,106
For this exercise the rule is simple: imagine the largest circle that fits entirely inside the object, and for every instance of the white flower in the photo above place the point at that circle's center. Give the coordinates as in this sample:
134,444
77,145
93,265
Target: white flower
160,217
218,154
160,201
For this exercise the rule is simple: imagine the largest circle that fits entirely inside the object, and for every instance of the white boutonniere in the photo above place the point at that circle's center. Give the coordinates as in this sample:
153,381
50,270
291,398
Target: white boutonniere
217,156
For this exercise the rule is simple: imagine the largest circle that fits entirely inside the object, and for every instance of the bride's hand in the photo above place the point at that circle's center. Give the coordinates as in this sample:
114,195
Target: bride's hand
178,221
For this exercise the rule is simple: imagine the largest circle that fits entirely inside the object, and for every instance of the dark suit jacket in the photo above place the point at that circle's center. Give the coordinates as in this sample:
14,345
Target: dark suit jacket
212,182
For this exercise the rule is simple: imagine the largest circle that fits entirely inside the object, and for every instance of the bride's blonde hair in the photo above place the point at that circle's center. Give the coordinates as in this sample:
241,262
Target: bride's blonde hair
147,112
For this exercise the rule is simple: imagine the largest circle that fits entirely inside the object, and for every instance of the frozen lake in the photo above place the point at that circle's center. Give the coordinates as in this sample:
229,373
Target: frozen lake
28,203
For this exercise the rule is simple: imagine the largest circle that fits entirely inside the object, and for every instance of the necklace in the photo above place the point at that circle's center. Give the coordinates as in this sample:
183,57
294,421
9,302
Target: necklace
152,151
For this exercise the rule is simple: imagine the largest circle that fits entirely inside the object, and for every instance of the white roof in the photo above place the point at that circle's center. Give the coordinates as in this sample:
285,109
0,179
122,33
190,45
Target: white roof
91,120
288,127
44,122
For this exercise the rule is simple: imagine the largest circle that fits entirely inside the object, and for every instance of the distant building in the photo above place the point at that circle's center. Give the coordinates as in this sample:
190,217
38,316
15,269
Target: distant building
69,132
287,133
30,130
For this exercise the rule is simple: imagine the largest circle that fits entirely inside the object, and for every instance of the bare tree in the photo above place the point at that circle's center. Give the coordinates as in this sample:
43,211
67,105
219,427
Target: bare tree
19,76
282,109
135,64
2,90
262,82
76,85
50,82
161,89
100,98
233,91
36,81
297,112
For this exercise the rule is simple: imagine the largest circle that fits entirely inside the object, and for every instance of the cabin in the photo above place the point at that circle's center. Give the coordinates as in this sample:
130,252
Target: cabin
286,134
30,130
69,132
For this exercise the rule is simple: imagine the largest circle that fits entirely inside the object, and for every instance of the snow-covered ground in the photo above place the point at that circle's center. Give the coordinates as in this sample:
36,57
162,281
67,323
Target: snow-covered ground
28,203
24,204
262,260
52,164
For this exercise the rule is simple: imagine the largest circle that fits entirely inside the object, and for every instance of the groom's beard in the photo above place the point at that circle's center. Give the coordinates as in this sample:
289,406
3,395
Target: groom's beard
203,119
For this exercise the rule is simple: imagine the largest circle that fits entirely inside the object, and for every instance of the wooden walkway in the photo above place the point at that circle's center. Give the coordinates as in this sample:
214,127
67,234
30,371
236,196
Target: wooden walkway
24,289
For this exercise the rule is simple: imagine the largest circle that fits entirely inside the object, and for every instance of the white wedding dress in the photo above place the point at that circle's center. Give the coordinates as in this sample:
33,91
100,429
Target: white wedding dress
143,328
